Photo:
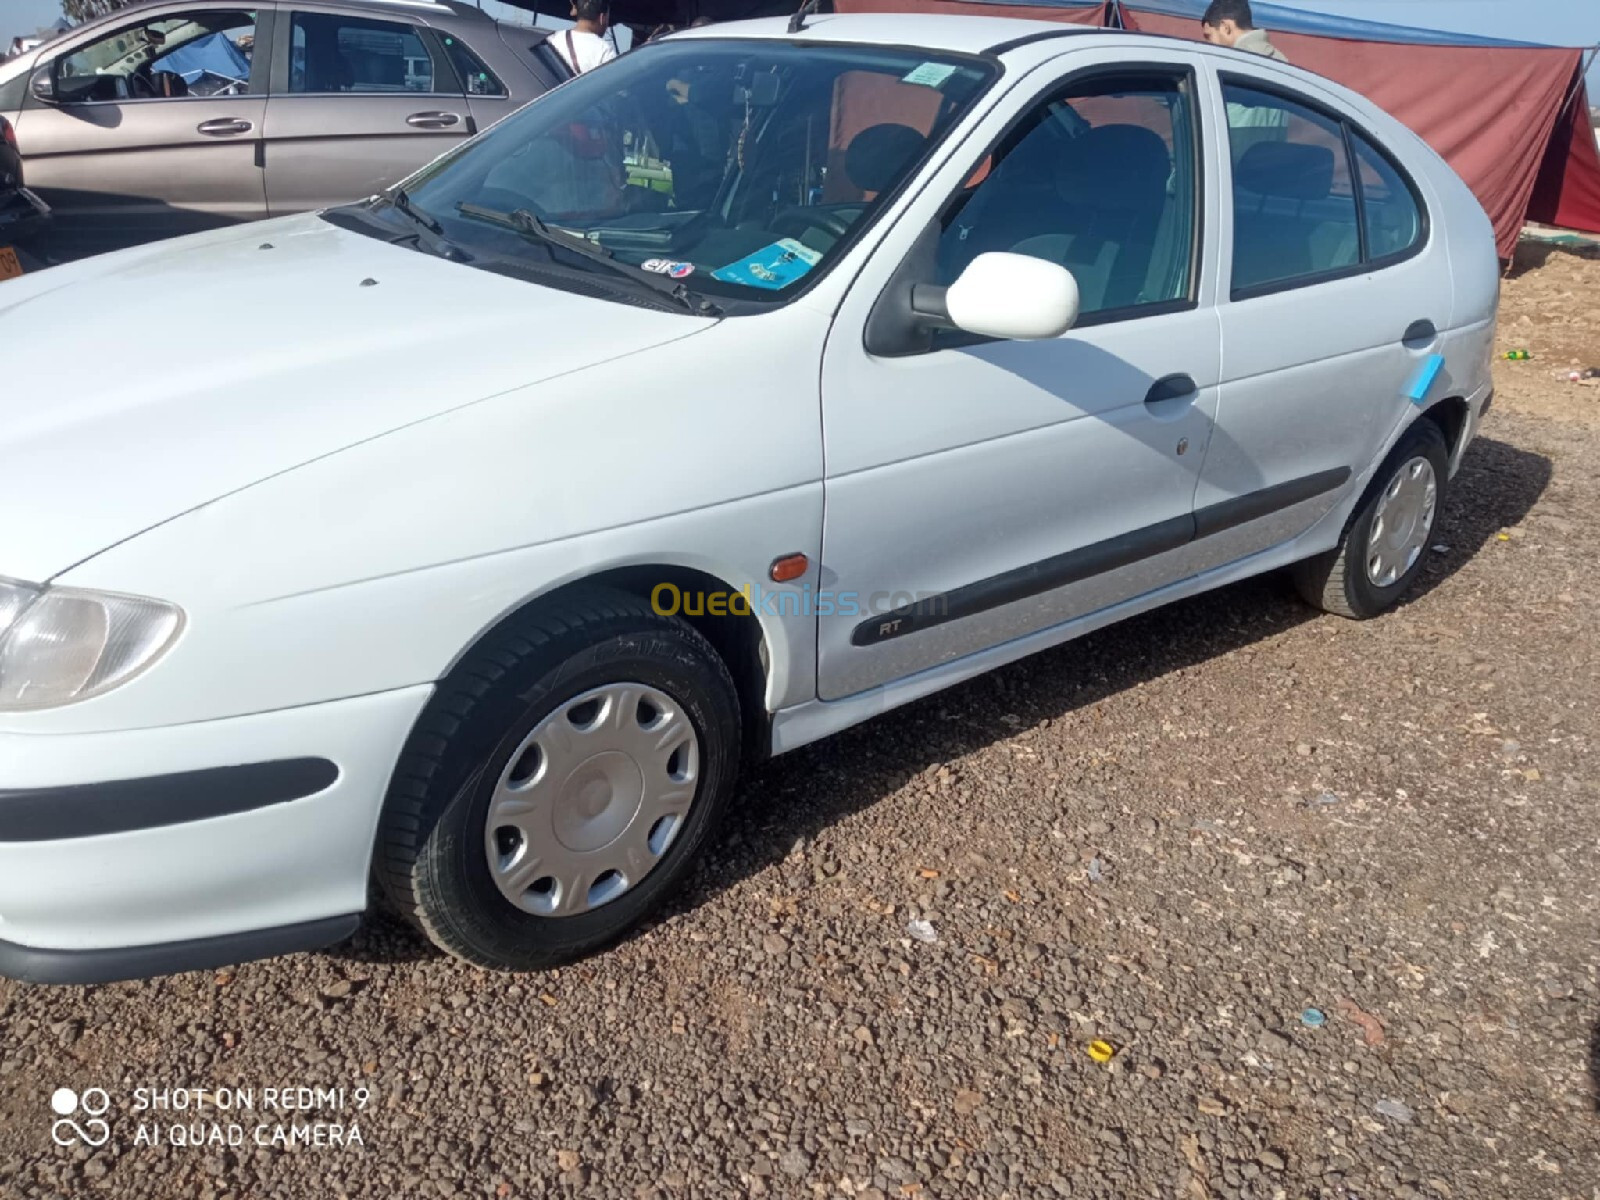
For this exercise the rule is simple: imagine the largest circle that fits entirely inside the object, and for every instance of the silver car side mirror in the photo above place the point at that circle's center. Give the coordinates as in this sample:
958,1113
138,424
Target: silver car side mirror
43,85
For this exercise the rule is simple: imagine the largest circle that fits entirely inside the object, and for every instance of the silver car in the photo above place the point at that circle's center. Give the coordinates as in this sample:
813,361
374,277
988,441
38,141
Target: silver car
179,115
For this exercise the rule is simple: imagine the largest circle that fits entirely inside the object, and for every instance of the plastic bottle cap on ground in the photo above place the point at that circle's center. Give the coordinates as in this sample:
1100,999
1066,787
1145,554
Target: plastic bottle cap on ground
1101,1052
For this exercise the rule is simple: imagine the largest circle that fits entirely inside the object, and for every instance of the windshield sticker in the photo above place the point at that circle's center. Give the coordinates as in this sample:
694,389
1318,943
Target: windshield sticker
776,266
929,74
666,266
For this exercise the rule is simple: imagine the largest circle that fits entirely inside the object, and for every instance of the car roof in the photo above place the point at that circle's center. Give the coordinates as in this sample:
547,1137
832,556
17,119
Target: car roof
933,31
436,8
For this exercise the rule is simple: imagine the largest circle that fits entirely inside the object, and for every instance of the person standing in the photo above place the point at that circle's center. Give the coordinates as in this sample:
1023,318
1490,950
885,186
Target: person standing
1231,23
585,46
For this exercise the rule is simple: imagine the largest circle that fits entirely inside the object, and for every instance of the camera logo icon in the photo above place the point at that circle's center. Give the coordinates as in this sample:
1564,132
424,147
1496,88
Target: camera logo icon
67,1105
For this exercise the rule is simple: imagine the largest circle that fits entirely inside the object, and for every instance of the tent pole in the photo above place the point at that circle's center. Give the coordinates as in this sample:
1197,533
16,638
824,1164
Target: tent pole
1585,61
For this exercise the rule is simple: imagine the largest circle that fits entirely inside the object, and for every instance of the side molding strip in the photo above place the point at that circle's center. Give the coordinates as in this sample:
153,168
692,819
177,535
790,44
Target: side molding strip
1073,566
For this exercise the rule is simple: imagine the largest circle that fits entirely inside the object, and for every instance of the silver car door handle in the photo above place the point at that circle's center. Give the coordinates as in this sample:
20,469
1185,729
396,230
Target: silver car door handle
433,120
224,127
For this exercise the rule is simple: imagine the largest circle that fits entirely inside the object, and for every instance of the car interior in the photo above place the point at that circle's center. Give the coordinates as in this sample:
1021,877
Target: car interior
132,64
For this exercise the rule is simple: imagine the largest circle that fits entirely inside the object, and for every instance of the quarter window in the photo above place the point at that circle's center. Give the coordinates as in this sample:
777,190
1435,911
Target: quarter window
476,78
1100,179
349,54
1394,224
1299,213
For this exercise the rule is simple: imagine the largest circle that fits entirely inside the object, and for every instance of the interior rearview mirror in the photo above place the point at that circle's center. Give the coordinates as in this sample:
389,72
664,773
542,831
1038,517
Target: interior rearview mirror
43,85
1002,295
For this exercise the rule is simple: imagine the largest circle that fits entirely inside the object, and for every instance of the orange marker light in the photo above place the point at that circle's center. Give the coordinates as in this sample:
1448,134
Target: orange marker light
790,566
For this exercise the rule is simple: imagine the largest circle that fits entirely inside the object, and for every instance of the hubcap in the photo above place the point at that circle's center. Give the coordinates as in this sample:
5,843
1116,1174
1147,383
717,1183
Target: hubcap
591,799
1402,522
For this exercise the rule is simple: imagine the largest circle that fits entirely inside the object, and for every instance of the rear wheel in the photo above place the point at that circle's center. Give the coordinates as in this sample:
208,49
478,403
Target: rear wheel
1382,548
560,783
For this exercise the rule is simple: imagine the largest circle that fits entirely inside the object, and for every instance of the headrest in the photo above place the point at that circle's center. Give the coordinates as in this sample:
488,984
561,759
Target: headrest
1289,169
1108,164
879,153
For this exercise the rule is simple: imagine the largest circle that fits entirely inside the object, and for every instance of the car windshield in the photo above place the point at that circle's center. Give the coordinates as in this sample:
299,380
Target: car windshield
737,167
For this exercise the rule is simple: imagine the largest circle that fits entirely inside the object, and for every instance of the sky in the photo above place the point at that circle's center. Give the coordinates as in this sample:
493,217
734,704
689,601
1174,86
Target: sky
1558,22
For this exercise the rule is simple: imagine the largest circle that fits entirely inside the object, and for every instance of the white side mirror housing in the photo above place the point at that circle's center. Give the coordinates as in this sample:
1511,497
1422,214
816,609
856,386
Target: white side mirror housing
1013,296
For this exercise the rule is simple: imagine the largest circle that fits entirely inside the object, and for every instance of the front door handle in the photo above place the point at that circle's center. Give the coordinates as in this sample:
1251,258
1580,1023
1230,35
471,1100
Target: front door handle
433,120
224,127
1172,387
1419,334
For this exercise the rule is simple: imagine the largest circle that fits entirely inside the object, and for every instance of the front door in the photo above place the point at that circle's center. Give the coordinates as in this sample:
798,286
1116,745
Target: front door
357,104
986,490
152,131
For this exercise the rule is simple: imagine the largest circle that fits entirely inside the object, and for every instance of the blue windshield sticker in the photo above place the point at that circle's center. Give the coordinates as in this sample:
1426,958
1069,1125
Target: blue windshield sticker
929,74
776,266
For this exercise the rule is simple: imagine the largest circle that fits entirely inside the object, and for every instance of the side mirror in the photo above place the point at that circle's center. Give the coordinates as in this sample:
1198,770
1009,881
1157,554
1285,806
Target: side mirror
1002,295
43,85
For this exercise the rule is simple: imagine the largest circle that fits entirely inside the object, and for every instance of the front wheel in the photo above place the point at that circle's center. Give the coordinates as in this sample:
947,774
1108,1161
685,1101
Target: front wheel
1382,548
560,783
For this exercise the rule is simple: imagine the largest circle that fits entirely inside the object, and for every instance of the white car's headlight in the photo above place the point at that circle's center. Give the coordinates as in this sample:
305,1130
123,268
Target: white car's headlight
60,645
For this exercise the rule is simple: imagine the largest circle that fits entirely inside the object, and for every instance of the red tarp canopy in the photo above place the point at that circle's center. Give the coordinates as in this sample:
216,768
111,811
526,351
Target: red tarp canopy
1512,120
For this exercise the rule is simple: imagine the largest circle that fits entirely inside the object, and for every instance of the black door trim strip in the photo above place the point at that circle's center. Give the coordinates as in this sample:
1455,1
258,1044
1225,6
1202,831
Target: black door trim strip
1074,566
124,805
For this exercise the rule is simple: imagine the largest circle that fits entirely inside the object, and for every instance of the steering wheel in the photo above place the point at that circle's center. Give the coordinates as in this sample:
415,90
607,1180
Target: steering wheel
140,87
798,219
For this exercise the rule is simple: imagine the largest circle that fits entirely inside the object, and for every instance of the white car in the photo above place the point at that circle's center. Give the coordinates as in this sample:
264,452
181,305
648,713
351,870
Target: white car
470,538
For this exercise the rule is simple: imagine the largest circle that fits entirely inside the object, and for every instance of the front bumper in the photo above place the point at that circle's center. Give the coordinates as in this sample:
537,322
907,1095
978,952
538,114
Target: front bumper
129,854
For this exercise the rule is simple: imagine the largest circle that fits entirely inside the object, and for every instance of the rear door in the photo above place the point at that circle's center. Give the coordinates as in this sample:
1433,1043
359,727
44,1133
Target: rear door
153,129
356,104
1333,304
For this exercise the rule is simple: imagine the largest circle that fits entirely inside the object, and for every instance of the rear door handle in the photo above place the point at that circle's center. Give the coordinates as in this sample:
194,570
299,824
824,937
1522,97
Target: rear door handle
433,120
1419,334
1172,387
224,127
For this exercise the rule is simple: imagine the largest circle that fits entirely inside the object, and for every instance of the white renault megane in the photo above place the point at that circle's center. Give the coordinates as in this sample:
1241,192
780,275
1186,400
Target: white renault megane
468,538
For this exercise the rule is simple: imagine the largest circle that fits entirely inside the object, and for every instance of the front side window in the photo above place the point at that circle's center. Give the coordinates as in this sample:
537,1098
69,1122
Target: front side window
1299,212
737,167
1101,180
351,54
175,56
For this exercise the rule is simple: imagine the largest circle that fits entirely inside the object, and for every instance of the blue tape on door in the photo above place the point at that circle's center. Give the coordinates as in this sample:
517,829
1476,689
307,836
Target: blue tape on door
1426,374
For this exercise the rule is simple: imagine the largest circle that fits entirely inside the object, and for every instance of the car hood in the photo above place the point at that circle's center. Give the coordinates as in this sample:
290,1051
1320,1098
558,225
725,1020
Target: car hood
159,379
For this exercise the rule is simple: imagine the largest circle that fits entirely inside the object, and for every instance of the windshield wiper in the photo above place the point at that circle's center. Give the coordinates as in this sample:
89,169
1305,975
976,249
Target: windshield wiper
401,203
529,224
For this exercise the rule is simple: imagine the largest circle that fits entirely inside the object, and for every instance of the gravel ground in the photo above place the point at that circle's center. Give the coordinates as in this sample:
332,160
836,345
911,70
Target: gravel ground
1176,836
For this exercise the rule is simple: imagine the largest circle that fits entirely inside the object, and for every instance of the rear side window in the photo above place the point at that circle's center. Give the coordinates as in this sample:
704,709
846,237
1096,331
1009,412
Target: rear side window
1294,209
476,77
350,54
1299,211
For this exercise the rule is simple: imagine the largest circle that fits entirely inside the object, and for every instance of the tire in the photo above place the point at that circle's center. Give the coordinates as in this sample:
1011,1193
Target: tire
535,724
1341,581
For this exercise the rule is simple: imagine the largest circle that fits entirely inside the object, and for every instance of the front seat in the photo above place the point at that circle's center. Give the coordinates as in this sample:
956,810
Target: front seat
878,155
1111,185
169,83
